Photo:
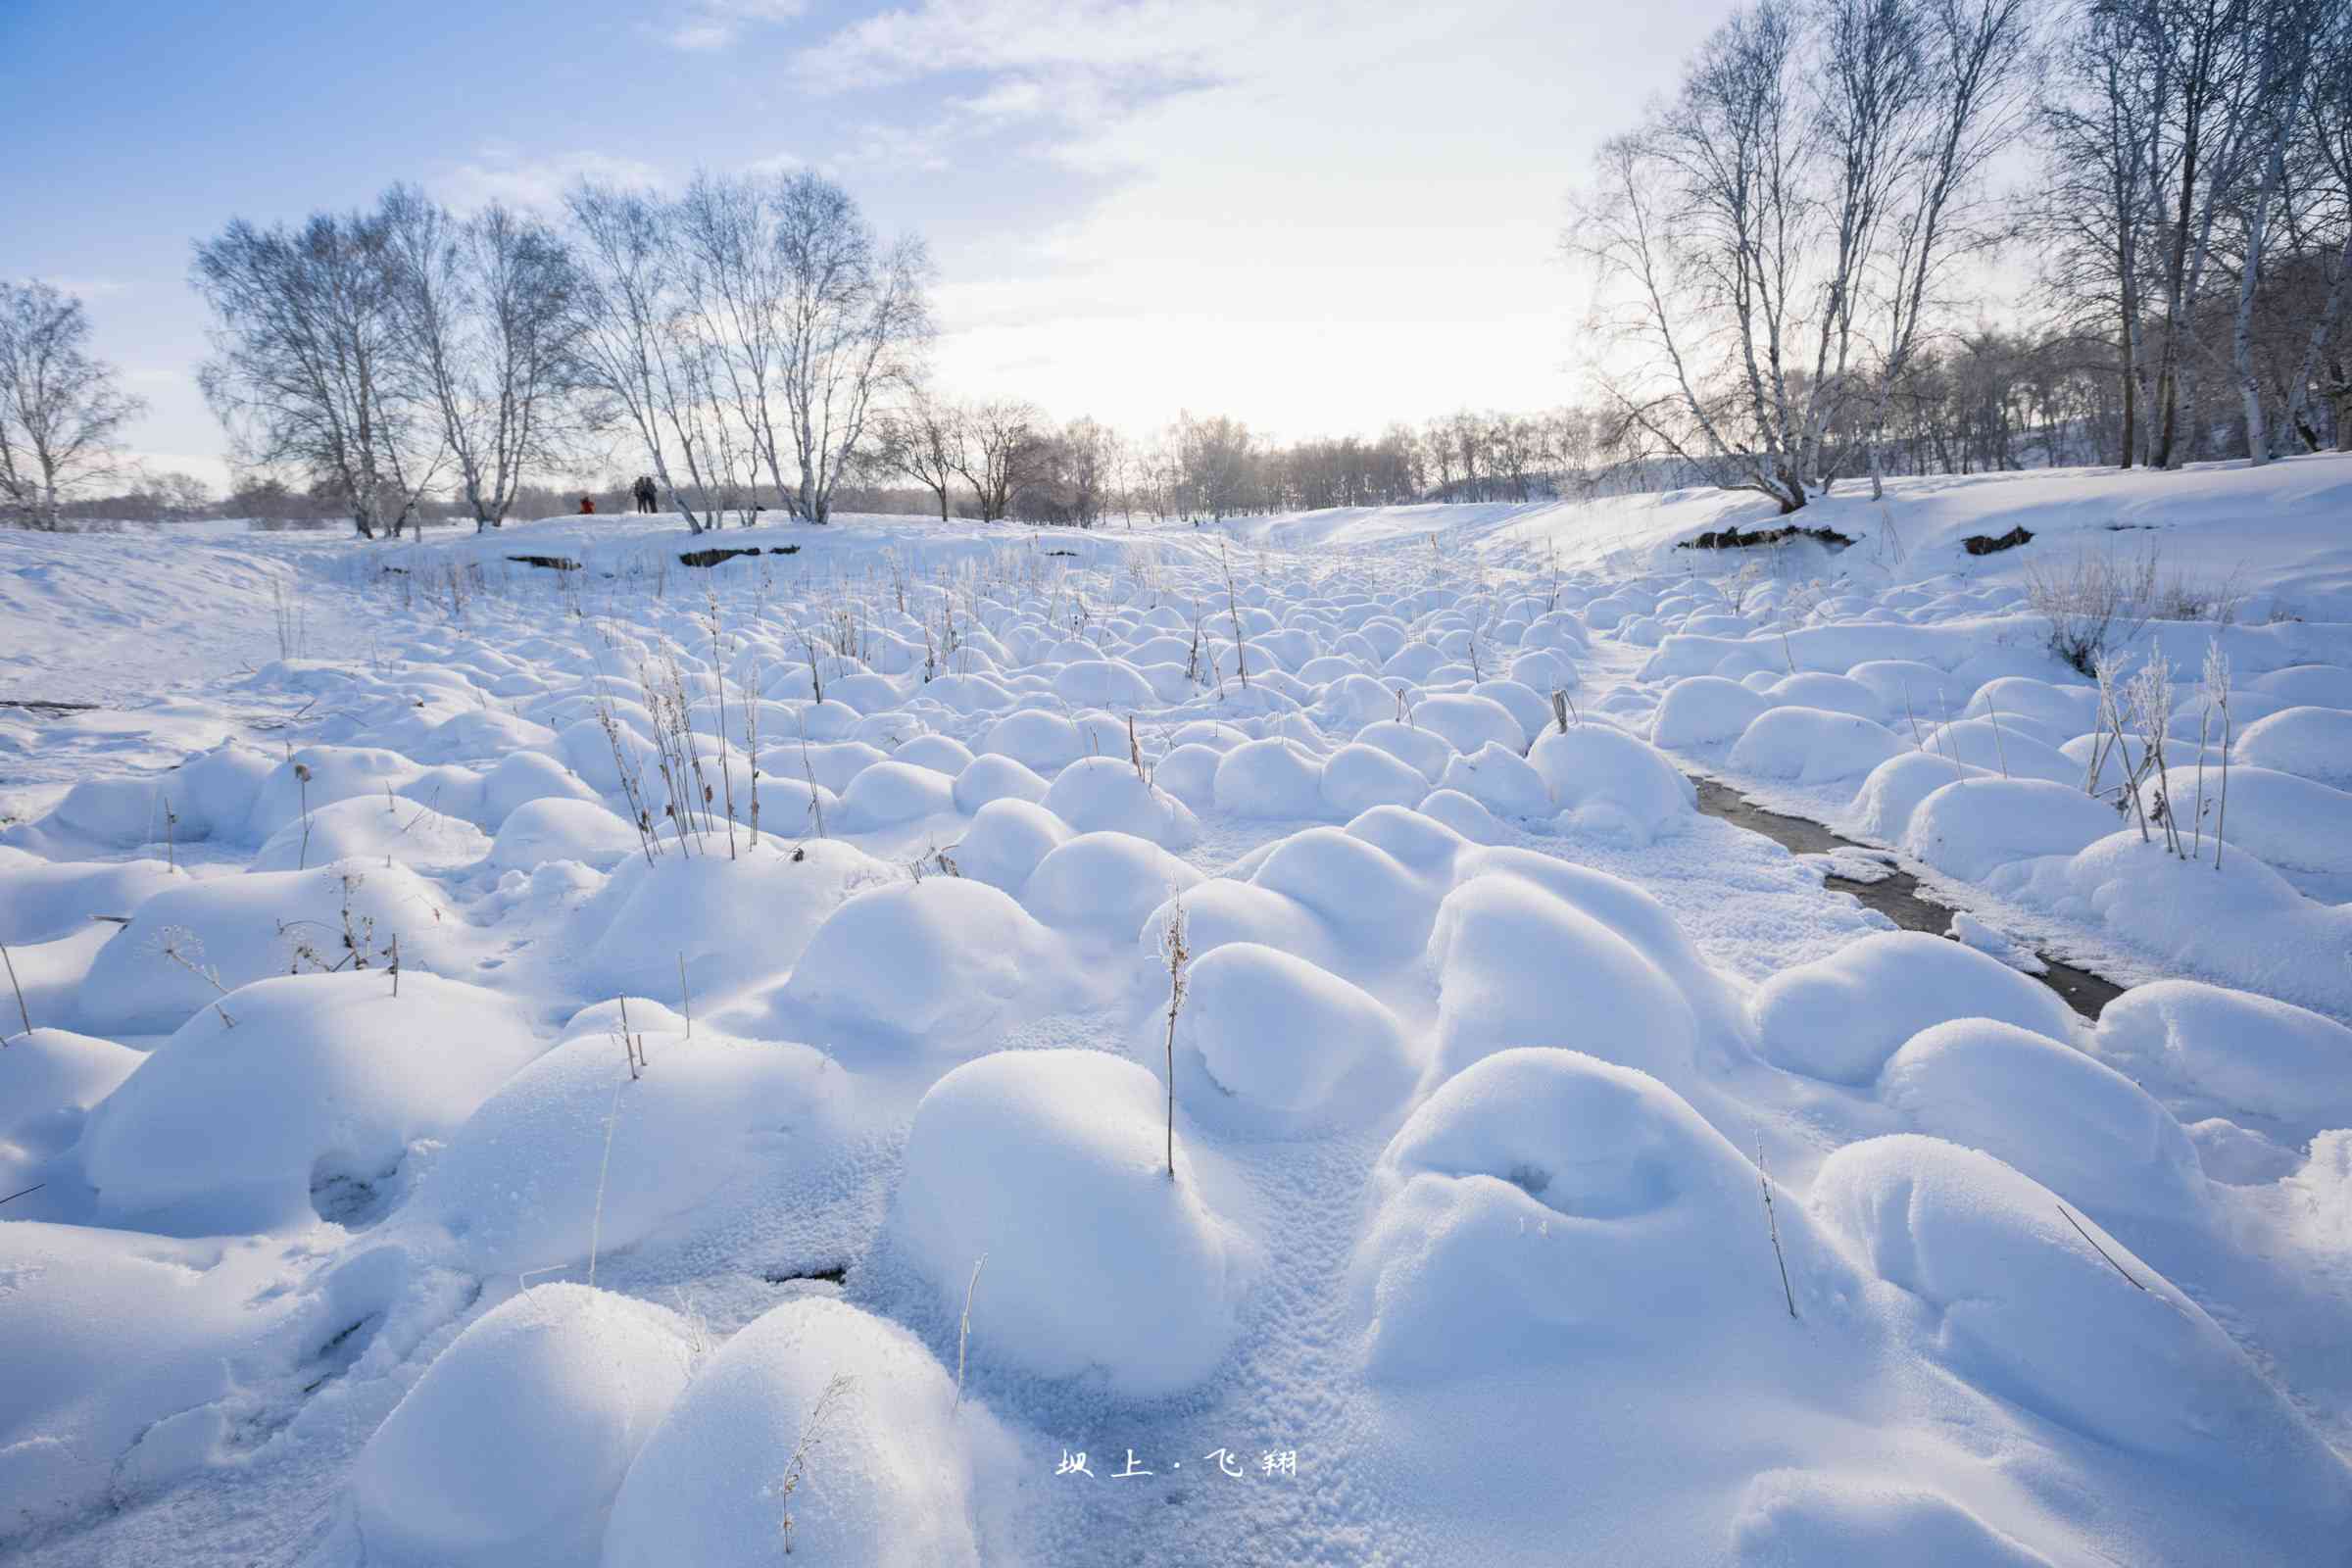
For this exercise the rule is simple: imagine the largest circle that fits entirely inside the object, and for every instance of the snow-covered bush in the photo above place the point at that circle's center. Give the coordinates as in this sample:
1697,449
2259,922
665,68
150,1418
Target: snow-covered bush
1136,1278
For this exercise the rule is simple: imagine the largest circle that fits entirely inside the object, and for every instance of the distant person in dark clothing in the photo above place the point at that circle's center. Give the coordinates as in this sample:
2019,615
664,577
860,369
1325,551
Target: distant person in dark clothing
587,506
645,493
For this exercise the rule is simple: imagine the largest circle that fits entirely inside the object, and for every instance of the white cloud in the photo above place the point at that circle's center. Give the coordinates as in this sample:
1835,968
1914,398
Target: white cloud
1164,38
714,23
1317,215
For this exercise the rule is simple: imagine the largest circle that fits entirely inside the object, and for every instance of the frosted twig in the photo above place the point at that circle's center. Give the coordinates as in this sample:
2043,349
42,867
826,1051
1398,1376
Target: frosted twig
2101,1250
22,1011
596,1222
1772,1225
964,1334
812,1434
1172,939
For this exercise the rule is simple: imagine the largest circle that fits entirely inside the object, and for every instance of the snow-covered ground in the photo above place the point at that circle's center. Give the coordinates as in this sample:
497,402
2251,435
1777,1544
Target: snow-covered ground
655,1064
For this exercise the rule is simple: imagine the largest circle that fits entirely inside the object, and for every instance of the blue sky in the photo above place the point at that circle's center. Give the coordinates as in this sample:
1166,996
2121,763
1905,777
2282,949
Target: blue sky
1316,217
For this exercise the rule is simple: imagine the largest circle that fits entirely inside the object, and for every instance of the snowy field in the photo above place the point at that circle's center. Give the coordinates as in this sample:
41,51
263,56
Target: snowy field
636,1062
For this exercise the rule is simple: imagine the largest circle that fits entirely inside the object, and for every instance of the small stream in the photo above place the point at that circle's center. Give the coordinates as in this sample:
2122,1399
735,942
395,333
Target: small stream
1896,894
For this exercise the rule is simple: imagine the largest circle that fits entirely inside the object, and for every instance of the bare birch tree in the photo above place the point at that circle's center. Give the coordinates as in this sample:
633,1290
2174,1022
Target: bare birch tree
1873,56
635,343
485,314
1967,61
2282,85
856,317
2322,365
2203,57
923,440
996,436
307,367
62,414
731,269
1701,227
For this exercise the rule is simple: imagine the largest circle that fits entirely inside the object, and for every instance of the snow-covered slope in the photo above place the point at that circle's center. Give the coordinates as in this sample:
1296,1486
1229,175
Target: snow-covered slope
636,1061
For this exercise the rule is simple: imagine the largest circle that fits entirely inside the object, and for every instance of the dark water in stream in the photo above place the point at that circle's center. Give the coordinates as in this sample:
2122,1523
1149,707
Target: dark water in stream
1896,894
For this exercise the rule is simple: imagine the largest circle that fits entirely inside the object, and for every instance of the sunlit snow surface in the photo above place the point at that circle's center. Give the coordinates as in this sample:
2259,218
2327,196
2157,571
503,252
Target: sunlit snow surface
702,1187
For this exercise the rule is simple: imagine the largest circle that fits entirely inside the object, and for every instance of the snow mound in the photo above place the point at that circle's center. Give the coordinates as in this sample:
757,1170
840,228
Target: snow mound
698,907
510,1447
1421,844
1135,1278
1532,708
1608,782
2009,1294
555,829
344,772
1466,817
889,792
2083,1130
374,828
49,1079
1272,777
518,1187
120,1349
1518,965
1358,777
1105,882
1190,774
1813,746
2235,1050
2314,743
1467,723
2245,924
1354,884
942,753
43,901
2309,684
1006,840
1282,1036
1040,741
324,1076
1883,806
913,960
1423,751
1221,911
2071,709
524,777
246,928
1635,915
2001,746
996,778
1802,1519
1842,1016
1705,710
207,797
1542,1202
887,1475
1970,827
1100,793
1834,694
1500,779
2288,820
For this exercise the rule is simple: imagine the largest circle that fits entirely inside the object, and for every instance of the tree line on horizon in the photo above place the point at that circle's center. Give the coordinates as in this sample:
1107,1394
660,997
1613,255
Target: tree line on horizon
1780,248
1783,253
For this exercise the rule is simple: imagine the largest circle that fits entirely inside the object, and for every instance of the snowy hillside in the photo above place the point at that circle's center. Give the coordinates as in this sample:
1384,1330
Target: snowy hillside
927,1043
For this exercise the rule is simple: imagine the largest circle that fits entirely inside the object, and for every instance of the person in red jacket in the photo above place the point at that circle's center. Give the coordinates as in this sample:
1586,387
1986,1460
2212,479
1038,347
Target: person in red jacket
587,506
